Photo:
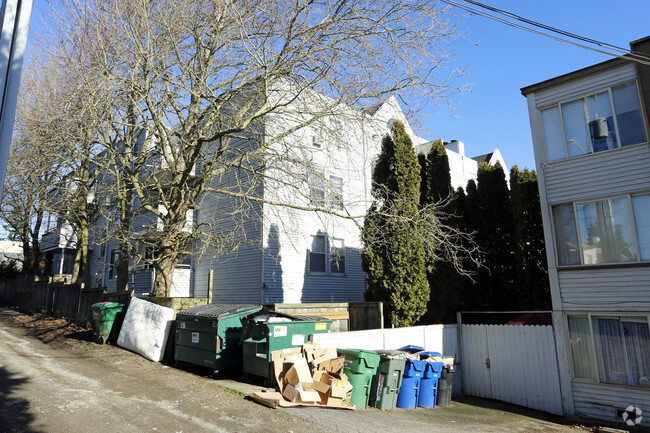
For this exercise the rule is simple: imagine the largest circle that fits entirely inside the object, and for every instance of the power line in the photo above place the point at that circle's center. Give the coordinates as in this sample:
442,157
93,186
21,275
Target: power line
605,48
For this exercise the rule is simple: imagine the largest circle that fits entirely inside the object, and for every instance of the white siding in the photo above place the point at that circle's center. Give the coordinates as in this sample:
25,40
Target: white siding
603,401
607,289
599,175
287,231
589,84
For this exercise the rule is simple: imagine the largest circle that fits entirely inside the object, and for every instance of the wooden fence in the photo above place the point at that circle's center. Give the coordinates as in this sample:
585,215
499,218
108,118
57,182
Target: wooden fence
353,316
62,300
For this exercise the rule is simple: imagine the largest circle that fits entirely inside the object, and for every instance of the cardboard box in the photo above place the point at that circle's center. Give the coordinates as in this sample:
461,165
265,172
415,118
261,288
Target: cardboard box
338,386
279,360
299,395
333,365
298,374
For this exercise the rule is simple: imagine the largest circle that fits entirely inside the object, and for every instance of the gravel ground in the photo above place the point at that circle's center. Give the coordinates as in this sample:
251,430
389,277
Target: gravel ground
55,378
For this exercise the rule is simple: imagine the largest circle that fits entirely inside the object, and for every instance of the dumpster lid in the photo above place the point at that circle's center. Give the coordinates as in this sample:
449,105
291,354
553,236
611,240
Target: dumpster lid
217,311
265,314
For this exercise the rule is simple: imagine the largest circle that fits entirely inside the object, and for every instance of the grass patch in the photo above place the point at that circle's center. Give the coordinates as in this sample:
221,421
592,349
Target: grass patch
233,391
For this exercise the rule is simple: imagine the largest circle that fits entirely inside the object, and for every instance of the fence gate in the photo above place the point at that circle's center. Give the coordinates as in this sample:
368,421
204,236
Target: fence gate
515,364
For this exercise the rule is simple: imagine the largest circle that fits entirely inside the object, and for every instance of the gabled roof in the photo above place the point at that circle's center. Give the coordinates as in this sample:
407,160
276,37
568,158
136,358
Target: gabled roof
483,158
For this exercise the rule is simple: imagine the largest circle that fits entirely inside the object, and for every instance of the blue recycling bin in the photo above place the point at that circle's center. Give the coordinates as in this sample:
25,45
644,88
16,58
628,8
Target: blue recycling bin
411,349
428,392
409,391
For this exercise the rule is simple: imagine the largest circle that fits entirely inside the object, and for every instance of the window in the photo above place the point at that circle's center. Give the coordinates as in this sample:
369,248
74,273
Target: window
325,192
318,139
605,231
336,192
326,255
606,120
337,256
316,188
317,254
112,266
621,346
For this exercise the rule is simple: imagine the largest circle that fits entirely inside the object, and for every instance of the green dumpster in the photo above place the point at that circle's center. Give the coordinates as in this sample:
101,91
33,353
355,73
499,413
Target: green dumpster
360,366
386,383
210,335
108,317
267,331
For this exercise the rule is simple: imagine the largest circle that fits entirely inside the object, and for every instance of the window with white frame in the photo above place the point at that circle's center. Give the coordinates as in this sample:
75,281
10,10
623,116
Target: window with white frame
608,119
336,192
316,188
610,348
325,191
318,139
112,265
337,256
614,230
326,255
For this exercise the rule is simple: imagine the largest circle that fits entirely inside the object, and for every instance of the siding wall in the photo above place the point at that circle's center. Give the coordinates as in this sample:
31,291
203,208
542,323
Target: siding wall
603,401
591,289
237,275
599,175
347,154
608,289
589,84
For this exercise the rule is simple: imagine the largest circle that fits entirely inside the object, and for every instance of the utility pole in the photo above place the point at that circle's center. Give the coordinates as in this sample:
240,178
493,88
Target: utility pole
15,15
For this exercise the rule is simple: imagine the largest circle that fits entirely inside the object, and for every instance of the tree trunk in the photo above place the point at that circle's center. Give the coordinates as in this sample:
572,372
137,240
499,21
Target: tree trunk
164,275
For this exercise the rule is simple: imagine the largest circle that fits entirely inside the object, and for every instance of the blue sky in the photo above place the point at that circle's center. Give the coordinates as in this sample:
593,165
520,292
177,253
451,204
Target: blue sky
501,59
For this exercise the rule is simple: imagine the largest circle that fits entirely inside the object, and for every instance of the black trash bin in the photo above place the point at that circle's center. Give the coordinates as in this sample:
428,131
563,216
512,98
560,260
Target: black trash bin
444,384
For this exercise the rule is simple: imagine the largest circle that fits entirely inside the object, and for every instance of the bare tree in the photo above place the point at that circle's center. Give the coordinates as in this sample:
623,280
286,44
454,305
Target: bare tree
200,78
35,163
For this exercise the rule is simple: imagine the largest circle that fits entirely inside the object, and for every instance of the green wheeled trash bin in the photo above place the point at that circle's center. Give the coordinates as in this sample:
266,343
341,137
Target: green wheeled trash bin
210,335
360,367
386,383
108,318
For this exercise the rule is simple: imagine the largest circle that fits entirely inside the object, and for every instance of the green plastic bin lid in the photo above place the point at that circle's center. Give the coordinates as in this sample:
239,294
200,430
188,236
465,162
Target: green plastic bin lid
391,353
369,356
106,305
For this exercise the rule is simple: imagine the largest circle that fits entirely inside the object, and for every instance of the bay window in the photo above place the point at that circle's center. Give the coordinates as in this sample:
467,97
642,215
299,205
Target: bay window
605,120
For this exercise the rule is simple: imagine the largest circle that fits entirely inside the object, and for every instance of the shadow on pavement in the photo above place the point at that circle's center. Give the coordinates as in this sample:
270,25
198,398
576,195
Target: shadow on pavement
14,416
581,424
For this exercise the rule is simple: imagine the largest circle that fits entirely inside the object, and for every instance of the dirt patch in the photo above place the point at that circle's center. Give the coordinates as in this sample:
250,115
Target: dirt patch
50,329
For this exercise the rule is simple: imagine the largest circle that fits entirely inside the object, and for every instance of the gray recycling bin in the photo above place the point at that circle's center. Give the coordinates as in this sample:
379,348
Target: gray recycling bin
386,383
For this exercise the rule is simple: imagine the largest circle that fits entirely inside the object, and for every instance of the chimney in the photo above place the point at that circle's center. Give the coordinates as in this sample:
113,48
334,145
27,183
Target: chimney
456,146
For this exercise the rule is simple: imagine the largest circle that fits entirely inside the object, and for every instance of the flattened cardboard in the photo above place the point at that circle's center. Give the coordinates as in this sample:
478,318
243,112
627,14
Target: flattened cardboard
298,374
275,400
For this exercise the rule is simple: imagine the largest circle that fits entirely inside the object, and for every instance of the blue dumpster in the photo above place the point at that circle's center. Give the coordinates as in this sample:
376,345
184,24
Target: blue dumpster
409,391
428,392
